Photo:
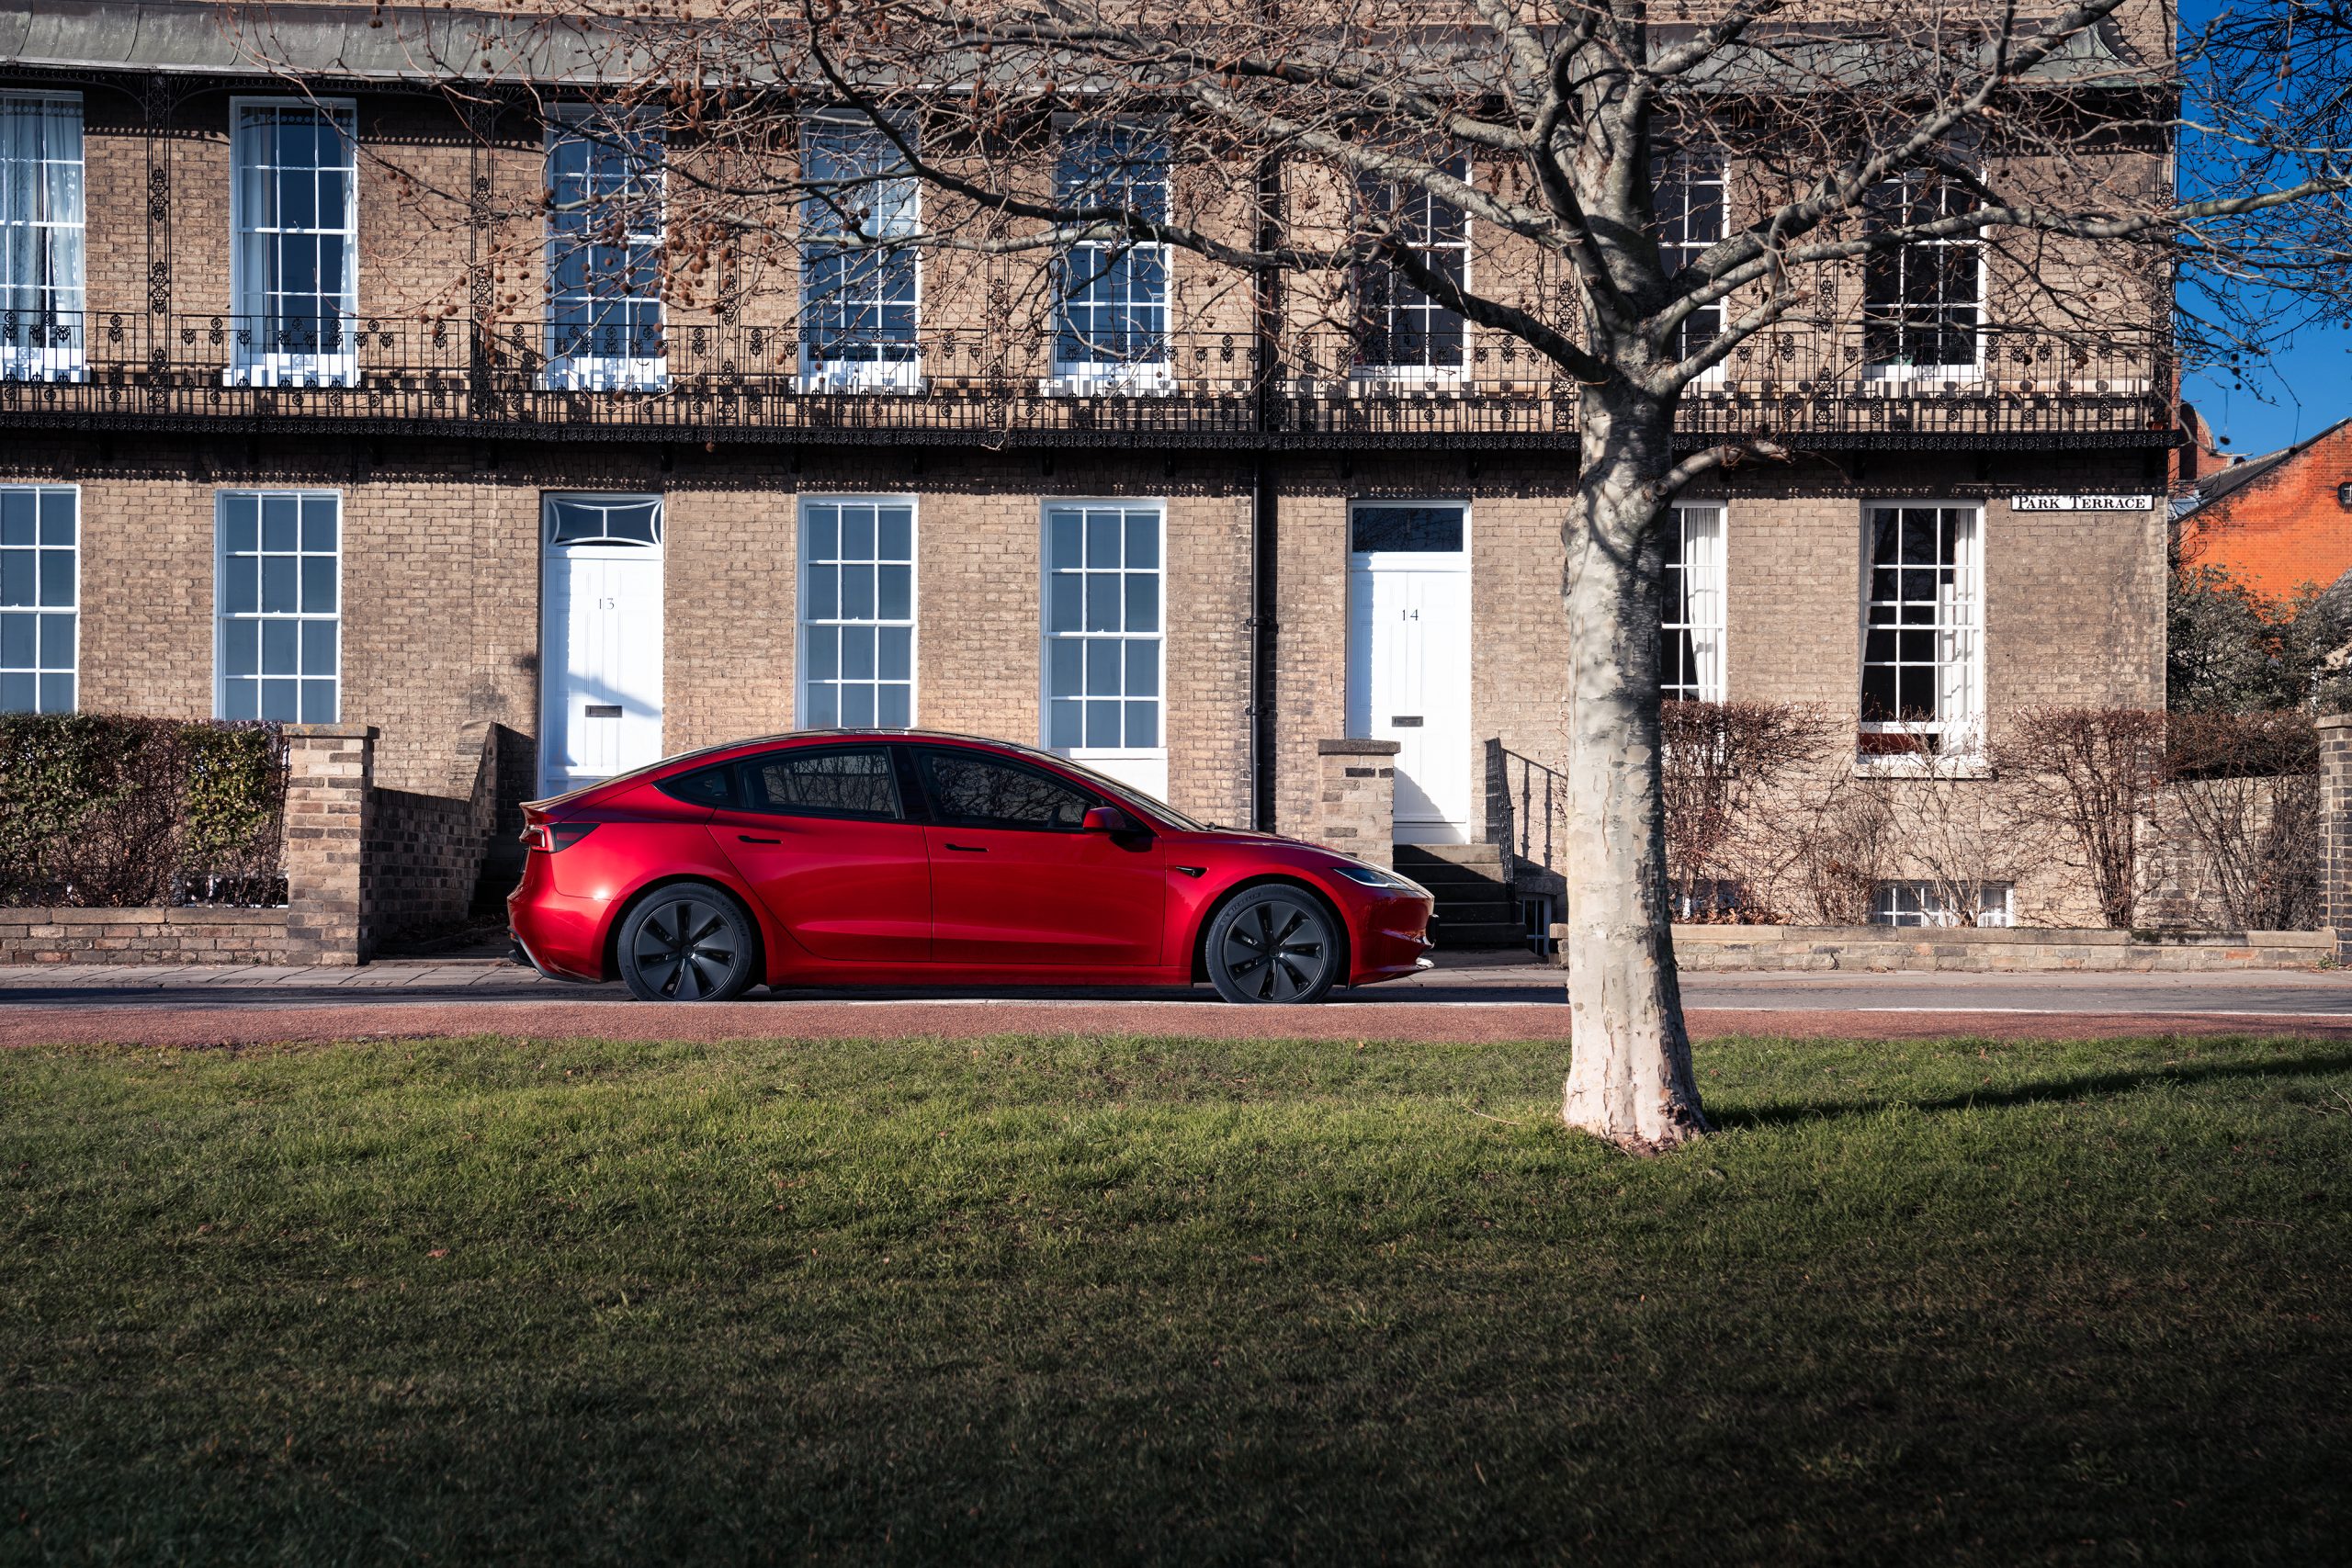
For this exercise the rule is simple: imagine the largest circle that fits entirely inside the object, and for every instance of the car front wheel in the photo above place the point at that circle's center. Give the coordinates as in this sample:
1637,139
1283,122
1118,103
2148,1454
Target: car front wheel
686,944
1273,944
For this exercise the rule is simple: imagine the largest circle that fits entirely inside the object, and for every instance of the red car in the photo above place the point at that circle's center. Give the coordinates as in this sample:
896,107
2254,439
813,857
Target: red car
864,857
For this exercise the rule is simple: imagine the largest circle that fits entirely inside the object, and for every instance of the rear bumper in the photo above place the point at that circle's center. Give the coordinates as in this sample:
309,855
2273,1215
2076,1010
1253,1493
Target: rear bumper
560,935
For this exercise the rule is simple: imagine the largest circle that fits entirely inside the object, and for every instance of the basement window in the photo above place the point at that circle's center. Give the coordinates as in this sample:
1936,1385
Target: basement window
1933,904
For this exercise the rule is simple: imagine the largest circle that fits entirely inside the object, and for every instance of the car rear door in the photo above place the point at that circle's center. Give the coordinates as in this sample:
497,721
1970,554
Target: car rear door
1016,881
822,833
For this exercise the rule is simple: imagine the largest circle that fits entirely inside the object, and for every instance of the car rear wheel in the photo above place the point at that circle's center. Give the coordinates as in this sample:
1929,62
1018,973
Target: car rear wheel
686,944
1273,944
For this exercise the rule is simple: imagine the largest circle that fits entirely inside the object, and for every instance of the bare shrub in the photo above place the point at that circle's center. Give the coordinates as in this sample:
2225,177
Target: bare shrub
1721,762
2245,801
2087,778
1843,844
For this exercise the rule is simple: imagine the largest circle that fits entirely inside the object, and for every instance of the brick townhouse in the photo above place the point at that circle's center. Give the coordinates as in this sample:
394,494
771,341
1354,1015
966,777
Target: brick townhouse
316,409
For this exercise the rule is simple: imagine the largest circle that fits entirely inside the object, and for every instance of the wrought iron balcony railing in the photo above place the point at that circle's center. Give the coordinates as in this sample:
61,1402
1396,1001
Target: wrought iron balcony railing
1808,384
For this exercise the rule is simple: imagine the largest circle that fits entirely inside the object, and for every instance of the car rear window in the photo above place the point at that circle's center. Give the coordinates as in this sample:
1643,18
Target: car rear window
853,781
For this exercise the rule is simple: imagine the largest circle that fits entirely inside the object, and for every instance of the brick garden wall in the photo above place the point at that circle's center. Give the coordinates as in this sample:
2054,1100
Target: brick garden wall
142,936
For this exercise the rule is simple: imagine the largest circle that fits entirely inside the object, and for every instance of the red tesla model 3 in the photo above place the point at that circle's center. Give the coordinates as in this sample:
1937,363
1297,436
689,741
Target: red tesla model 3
896,857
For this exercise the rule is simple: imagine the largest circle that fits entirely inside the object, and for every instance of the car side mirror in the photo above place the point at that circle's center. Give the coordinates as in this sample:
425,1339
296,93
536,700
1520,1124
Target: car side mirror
1107,819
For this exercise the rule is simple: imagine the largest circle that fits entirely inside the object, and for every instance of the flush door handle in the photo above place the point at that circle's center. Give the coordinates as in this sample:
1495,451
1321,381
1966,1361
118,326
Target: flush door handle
970,849
755,839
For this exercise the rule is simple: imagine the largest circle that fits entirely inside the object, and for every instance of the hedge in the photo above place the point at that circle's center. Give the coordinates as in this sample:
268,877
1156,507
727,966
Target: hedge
108,811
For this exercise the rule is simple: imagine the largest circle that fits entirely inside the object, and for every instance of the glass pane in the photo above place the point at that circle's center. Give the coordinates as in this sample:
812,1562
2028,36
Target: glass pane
57,694
240,699
824,653
1143,667
857,707
318,524
1101,539
1103,668
897,541
57,517
279,523
318,702
1103,726
894,708
857,588
19,640
281,701
57,579
1143,724
824,533
56,642
1143,602
894,655
1101,602
240,585
821,707
19,693
824,593
857,654
1063,590
238,523
1143,539
857,533
1064,724
1061,540
1420,529
277,582
318,585
281,648
895,593
241,647
17,578
318,647
17,509
1065,669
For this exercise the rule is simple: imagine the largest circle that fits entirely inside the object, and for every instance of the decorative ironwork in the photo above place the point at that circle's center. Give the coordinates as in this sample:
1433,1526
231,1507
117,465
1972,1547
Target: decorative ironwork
711,380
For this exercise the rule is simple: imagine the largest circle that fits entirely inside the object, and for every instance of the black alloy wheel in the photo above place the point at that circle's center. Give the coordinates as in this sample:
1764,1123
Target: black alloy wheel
687,943
1273,944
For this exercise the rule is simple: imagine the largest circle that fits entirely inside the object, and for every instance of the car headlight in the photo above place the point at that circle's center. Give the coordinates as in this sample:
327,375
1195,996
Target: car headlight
1373,877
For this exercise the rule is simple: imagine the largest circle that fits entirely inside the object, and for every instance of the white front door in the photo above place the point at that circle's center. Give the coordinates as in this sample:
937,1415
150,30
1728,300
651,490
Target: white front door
600,659
1408,658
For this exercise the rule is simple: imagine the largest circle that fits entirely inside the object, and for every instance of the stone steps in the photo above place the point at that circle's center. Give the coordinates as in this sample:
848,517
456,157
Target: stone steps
1475,906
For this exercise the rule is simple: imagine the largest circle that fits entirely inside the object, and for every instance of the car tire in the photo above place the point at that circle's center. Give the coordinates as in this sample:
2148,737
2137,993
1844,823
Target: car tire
687,942
1274,945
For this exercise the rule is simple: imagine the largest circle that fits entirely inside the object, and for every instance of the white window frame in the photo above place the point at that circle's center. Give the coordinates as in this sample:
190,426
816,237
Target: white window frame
1899,374
1123,377
605,372
1914,903
1697,596
49,346
877,374
806,623
1673,171
40,669
1143,767
222,617
1957,734
1379,376
252,364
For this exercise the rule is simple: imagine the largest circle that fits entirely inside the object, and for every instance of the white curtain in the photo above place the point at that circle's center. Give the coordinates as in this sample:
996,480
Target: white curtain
1702,588
1959,600
41,234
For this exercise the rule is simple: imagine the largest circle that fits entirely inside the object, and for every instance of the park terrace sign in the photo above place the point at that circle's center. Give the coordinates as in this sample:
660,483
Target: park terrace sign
2081,503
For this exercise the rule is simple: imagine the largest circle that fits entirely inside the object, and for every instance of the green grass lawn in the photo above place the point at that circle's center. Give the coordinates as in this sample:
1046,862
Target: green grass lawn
1082,1301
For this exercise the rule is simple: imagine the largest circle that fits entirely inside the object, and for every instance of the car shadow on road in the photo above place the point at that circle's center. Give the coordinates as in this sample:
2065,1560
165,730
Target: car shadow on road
2316,1062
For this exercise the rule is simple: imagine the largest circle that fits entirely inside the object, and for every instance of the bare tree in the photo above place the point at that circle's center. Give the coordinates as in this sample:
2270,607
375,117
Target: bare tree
1499,160
1724,765
2089,777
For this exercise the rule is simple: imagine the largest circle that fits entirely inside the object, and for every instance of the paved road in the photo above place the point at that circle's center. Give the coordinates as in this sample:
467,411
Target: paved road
1497,998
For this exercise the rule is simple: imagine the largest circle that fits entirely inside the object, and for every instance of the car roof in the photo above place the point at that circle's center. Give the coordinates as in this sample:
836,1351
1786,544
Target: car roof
801,737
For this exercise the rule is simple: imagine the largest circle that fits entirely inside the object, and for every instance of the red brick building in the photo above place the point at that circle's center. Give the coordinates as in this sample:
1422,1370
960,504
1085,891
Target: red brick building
2280,523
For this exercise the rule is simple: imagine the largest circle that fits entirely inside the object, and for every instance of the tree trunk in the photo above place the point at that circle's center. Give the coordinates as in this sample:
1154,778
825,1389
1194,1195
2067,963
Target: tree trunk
1629,1074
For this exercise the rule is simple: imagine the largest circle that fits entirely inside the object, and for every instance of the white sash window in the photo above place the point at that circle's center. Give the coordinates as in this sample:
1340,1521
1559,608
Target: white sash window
1104,644
295,209
41,256
857,614
1690,635
1922,651
605,238
1110,326
40,597
859,294
281,626
1401,334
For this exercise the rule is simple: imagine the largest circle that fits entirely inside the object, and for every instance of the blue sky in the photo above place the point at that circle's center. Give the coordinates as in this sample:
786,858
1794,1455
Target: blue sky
2302,389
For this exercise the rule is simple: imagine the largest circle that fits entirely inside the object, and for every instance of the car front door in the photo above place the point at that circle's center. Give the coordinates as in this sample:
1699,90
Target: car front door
823,835
1016,879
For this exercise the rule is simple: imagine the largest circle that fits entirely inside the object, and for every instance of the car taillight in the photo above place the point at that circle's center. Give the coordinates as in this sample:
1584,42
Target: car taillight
553,836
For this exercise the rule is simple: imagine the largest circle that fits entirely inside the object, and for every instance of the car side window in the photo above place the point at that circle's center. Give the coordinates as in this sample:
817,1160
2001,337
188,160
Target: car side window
971,790
854,782
705,787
